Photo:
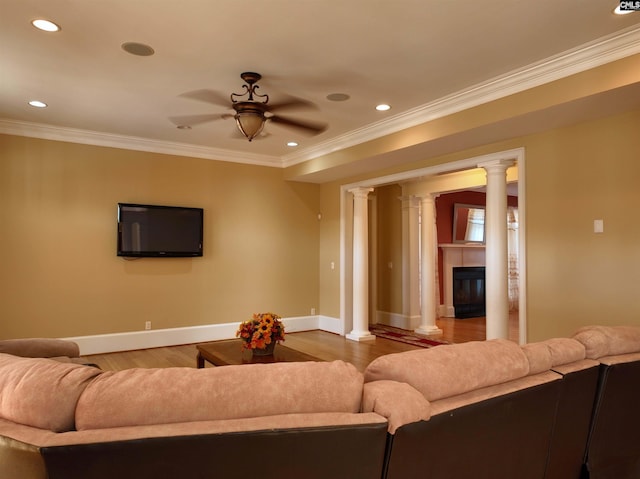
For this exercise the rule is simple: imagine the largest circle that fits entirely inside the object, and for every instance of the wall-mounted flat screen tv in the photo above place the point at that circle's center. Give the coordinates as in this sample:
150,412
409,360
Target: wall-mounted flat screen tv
159,231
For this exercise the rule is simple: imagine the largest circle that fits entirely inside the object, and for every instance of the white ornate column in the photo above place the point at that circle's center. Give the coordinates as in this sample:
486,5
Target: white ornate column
360,330
411,261
429,264
496,273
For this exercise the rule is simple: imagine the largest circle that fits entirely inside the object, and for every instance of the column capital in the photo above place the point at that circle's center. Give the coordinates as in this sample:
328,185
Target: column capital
409,201
425,194
426,198
360,191
497,165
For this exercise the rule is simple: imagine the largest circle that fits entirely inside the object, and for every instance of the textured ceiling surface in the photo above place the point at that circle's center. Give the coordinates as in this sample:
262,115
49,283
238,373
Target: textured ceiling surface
407,53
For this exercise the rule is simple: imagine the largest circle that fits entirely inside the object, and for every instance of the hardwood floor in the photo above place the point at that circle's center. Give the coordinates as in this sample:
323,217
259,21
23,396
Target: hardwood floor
473,329
321,344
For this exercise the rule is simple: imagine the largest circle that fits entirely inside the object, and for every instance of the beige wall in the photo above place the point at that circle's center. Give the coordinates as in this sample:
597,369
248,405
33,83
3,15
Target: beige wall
266,249
389,249
60,273
330,250
573,176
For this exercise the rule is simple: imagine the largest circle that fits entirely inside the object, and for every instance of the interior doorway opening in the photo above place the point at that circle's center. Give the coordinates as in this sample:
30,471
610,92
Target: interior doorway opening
458,167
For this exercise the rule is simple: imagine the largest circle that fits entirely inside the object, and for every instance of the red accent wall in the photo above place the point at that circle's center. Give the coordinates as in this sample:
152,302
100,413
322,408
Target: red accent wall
444,219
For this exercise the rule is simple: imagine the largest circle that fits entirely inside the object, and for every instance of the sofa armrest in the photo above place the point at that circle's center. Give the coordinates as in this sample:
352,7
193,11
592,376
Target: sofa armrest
399,402
40,348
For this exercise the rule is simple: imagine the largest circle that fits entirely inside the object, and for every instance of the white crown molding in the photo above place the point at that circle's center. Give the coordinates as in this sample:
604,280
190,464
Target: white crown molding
87,137
600,52
591,55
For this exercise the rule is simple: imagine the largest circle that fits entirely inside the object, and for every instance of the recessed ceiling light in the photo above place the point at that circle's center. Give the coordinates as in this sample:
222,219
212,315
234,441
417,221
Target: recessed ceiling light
38,104
139,49
338,97
383,107
45,25
292,144
619,11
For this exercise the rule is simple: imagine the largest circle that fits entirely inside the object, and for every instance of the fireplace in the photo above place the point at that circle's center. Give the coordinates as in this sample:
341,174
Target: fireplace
469,291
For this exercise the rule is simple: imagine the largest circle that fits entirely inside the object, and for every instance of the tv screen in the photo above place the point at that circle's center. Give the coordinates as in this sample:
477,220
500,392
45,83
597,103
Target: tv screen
159,231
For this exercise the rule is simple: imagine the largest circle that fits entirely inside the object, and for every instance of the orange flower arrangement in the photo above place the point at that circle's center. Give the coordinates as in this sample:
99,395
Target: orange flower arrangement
261,330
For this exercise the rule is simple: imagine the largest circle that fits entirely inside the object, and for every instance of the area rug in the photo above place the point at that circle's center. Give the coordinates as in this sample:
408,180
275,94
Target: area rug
404,336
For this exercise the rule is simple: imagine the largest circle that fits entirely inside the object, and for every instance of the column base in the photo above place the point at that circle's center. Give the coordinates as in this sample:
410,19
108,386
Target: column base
428,330
360,336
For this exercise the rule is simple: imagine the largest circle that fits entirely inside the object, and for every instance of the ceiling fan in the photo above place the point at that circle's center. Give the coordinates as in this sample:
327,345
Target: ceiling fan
252,110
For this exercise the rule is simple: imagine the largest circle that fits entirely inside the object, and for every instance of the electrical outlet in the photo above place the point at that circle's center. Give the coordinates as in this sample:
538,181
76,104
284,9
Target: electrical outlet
313,311
598,226
147,325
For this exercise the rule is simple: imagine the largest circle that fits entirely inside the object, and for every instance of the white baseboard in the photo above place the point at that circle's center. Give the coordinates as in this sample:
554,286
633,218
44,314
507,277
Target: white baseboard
398,320
445,311
110,343
331,325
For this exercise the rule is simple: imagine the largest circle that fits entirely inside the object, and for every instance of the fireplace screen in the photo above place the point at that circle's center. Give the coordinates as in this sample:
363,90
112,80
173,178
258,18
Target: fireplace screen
469,291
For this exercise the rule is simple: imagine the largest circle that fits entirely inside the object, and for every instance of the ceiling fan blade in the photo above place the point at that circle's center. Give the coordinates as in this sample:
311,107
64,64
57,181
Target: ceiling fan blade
209,96
291,102
192,120
307,126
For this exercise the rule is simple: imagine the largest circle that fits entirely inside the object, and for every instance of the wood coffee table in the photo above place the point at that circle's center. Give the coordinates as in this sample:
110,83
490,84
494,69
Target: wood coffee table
223,353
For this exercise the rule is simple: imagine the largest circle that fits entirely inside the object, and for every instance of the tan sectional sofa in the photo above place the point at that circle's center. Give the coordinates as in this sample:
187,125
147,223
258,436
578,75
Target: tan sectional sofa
566,408
613,448
492,411
66,421
567,358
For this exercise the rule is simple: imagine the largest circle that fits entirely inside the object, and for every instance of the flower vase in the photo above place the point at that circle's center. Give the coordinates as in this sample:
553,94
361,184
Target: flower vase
266,351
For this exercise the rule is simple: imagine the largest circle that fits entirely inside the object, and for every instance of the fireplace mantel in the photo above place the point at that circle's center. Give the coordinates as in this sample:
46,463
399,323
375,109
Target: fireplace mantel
461,245
454,255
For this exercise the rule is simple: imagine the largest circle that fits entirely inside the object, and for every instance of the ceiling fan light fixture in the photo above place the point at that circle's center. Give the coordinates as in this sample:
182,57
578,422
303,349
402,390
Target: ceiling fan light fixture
250,123
249,111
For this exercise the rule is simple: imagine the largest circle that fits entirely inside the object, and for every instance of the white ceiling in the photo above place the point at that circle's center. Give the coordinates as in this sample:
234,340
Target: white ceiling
411,54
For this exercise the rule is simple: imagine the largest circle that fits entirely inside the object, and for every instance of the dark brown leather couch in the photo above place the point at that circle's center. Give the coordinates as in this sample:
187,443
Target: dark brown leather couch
565,408
613,448
491,416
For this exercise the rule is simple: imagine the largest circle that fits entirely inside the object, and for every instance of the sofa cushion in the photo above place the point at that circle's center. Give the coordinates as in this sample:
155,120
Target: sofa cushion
600,341
539,357
171,395
40,392
453,369
545,355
